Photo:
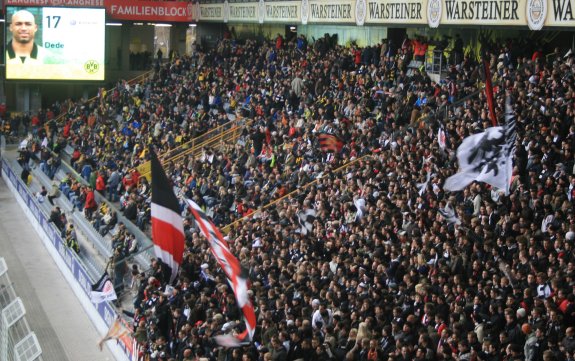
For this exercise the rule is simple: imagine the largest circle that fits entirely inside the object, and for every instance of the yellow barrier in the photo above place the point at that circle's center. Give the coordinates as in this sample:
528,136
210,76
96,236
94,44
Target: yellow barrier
145,170
200,138
227,137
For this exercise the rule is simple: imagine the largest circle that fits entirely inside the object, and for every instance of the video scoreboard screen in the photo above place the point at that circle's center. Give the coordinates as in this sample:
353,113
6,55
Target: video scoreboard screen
55,43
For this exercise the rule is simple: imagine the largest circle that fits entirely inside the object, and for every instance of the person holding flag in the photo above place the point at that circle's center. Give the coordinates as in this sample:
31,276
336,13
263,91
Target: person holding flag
168,236
236,275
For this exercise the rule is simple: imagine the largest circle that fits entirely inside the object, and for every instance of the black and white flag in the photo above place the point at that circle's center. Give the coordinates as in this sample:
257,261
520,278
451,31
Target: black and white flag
306,219
449,214
103,290
486,157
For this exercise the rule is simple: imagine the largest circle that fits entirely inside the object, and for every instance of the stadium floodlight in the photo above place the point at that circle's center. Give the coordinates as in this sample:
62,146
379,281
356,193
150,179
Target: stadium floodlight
28,349
12,313
3,266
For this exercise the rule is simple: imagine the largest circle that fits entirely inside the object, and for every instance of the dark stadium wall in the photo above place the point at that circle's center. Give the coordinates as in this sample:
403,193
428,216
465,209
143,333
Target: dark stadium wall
208,34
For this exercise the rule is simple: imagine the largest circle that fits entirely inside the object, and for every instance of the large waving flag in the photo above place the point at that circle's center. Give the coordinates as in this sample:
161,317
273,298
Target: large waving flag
237,277
486,157
167,225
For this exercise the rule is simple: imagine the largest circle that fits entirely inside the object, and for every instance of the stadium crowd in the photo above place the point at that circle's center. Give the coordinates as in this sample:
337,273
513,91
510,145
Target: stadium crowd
391,280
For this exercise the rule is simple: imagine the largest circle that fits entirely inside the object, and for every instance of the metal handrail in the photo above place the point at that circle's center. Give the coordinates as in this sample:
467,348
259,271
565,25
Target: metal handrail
103,247
141,257
228,227
233,134
131,81
204,142
140,236
195,146
191,143
207,143
16,166
98,242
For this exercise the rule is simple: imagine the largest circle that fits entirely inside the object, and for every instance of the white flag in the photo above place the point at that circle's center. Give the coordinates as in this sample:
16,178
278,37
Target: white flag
449,214
441,138
360,206
486,157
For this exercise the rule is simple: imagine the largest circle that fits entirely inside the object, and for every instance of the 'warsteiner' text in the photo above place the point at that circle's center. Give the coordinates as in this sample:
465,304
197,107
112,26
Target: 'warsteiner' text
482,10
395,10
331,11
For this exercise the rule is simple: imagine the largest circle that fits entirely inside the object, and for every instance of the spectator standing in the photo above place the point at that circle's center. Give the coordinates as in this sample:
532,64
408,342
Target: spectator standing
90,205
113,185
101,183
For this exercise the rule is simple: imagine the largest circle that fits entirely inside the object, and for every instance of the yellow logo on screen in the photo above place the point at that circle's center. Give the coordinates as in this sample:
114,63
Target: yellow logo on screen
91,66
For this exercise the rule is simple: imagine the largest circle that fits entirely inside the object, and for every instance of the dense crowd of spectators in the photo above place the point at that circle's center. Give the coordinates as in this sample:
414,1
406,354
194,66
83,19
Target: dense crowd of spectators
394,281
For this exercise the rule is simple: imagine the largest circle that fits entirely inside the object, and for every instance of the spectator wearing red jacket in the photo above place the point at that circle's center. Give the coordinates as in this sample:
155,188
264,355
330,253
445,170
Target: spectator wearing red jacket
66,130
75,156
136,176
357,57
101,184
36,124
90,205
419,49
128,181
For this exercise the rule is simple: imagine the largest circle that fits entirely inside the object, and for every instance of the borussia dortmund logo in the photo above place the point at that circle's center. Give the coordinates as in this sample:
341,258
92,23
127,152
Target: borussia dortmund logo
91,67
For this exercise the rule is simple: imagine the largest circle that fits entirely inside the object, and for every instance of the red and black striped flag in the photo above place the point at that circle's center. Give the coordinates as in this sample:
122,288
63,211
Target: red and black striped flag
330,143
236,274
167,225
489,91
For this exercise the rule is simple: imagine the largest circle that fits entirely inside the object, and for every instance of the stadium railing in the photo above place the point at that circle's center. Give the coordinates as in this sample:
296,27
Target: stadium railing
229,227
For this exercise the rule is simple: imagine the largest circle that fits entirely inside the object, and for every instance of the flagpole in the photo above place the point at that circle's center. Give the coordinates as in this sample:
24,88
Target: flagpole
489,89
508,147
